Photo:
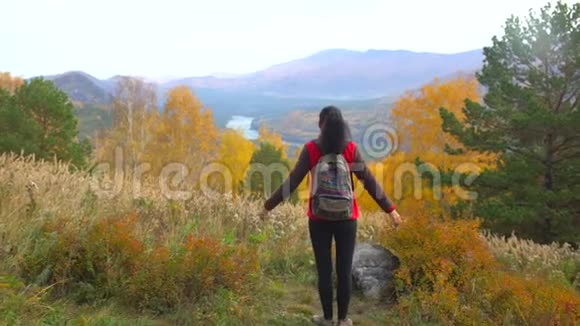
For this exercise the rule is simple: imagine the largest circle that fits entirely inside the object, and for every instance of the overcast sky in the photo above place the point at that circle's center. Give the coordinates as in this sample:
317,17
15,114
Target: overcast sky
187,38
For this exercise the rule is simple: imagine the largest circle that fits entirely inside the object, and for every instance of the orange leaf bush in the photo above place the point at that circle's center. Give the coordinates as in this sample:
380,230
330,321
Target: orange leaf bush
442,261
89,262
107,259
188,271
518,300
449,275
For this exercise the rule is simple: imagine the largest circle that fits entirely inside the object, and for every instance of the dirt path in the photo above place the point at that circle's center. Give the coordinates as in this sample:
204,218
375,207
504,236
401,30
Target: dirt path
298,302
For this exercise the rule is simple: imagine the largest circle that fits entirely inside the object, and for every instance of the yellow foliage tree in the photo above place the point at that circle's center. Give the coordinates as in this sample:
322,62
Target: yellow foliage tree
9,83
184,133
417,120
397,175
418,124
235,153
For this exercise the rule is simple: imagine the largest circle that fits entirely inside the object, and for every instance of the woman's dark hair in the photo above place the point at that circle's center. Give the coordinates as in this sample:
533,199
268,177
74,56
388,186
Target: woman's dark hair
334,132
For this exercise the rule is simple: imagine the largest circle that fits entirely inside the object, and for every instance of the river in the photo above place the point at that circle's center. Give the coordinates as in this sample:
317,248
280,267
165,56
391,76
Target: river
244,124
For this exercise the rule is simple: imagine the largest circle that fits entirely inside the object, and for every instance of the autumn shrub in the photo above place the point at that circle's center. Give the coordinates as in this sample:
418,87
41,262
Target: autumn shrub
189,270
108,260
449,275
443,264
514,299
89,262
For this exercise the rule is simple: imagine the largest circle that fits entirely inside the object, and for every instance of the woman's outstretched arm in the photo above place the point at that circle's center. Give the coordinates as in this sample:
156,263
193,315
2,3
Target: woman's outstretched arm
362,172
292,181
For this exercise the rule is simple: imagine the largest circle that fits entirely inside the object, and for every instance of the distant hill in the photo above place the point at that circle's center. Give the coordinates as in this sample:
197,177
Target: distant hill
330,74
351,79
345,74
82,87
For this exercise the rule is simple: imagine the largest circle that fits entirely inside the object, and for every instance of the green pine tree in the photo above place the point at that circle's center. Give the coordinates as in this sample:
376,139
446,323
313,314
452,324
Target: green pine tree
17,132
39,119
531,120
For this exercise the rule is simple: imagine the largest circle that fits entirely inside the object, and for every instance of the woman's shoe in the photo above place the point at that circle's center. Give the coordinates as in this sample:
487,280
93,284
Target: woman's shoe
319,320
345,322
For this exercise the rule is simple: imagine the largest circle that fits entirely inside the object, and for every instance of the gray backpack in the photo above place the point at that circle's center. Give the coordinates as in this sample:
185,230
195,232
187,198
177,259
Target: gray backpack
332,188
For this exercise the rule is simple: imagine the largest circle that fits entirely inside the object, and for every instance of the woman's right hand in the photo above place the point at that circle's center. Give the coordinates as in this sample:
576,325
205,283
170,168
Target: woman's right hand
263,215
396,217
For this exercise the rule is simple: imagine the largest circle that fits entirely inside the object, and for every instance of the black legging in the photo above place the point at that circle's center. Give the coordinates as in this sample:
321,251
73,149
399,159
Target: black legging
321,234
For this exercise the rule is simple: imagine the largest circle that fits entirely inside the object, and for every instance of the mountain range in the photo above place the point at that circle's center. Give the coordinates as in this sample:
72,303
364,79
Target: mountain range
335,76
345,74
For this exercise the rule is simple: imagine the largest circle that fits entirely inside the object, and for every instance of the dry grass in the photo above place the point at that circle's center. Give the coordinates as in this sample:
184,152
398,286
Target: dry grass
33,192
37,196
553,261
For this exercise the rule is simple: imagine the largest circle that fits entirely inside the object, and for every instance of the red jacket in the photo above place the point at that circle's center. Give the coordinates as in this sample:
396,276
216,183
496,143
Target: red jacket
307,160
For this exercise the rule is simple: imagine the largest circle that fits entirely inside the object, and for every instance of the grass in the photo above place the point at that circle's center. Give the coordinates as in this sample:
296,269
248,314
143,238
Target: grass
558,262
282,301
49,214
298,302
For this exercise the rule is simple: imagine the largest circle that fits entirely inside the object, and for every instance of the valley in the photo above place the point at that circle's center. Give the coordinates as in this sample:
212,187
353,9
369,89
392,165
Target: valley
363,84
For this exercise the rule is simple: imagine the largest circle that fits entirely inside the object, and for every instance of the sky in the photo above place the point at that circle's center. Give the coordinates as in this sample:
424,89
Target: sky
171,38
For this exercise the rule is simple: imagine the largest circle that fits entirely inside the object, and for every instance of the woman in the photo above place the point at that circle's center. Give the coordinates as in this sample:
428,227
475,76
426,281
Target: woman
334,138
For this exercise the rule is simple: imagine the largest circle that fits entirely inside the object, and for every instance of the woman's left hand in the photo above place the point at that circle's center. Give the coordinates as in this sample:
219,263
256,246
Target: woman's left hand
396,217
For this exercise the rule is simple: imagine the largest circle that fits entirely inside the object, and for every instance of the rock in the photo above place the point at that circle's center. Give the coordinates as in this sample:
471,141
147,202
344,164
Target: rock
373,270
